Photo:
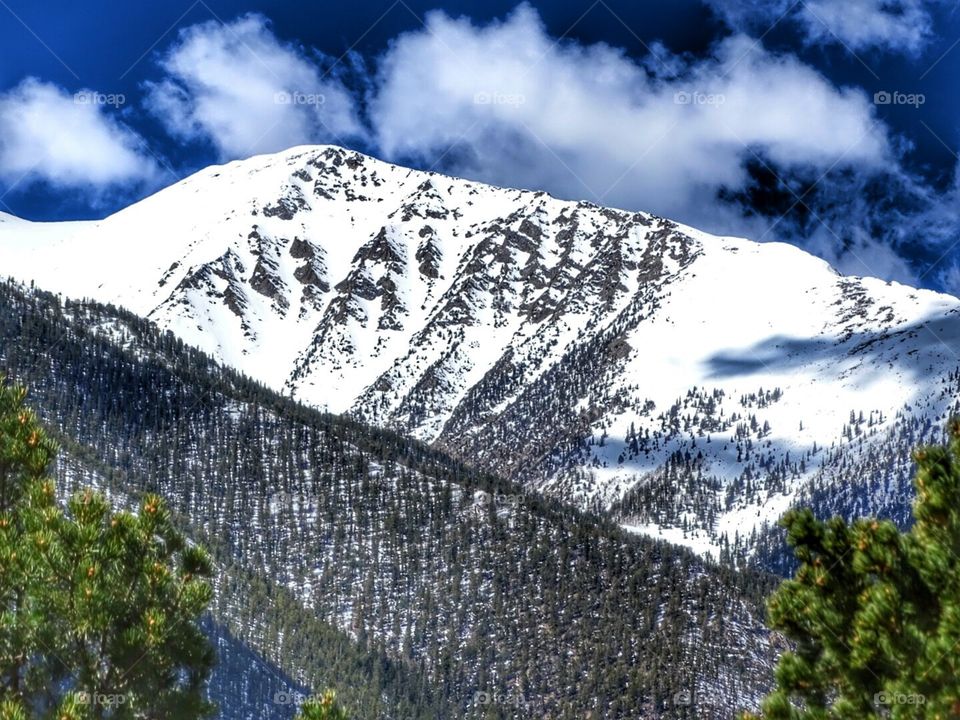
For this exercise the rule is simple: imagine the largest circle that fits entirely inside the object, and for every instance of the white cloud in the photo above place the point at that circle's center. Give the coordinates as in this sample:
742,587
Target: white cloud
860,254
895,25
949,278
246,92
68,141
508,104
522,109
899,25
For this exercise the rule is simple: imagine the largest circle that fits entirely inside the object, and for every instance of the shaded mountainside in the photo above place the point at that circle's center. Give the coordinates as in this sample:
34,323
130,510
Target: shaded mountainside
690,386
359,559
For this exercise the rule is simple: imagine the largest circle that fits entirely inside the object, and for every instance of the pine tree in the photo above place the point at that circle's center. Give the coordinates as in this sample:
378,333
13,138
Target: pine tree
875,612
98,610
324,708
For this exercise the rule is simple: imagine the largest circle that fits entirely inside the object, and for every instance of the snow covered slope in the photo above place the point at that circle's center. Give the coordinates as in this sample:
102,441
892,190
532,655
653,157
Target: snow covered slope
694,384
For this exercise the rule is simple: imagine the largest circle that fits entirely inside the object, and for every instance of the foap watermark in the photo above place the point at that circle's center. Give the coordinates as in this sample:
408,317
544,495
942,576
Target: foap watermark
895,97
483,698
696,97
299,98
499,98
286,500
282,498
895,698
289,697
107,700
484,500
90,97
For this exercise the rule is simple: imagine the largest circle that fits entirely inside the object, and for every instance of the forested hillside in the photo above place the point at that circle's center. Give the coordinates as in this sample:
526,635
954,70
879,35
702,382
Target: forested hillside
355,558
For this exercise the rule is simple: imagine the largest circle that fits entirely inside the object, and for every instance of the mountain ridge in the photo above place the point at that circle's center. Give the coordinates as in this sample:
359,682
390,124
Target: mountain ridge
583,351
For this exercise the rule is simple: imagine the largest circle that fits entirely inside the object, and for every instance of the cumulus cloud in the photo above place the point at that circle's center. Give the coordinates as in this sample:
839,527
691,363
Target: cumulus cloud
68,141
740,140
519,108
246,92
949,278
859,253
887,223
895,25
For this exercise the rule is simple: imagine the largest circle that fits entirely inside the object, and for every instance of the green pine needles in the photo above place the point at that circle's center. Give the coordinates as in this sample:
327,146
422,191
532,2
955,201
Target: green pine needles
98,609
874,613
323,708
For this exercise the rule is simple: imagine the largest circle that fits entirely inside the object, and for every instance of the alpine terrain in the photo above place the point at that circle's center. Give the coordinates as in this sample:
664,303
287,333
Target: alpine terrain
688,386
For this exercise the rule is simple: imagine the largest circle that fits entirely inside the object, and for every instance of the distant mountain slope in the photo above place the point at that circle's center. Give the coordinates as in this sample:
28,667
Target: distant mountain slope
245,686
356,558
693,385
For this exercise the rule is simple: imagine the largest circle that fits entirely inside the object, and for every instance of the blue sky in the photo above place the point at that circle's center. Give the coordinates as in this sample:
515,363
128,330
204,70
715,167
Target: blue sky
830,124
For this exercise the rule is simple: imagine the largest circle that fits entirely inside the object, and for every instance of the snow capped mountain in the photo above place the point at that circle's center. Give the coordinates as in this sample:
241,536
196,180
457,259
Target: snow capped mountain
692,384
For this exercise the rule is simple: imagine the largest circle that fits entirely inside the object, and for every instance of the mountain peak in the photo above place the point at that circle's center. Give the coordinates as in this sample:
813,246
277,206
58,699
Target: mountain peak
584,350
